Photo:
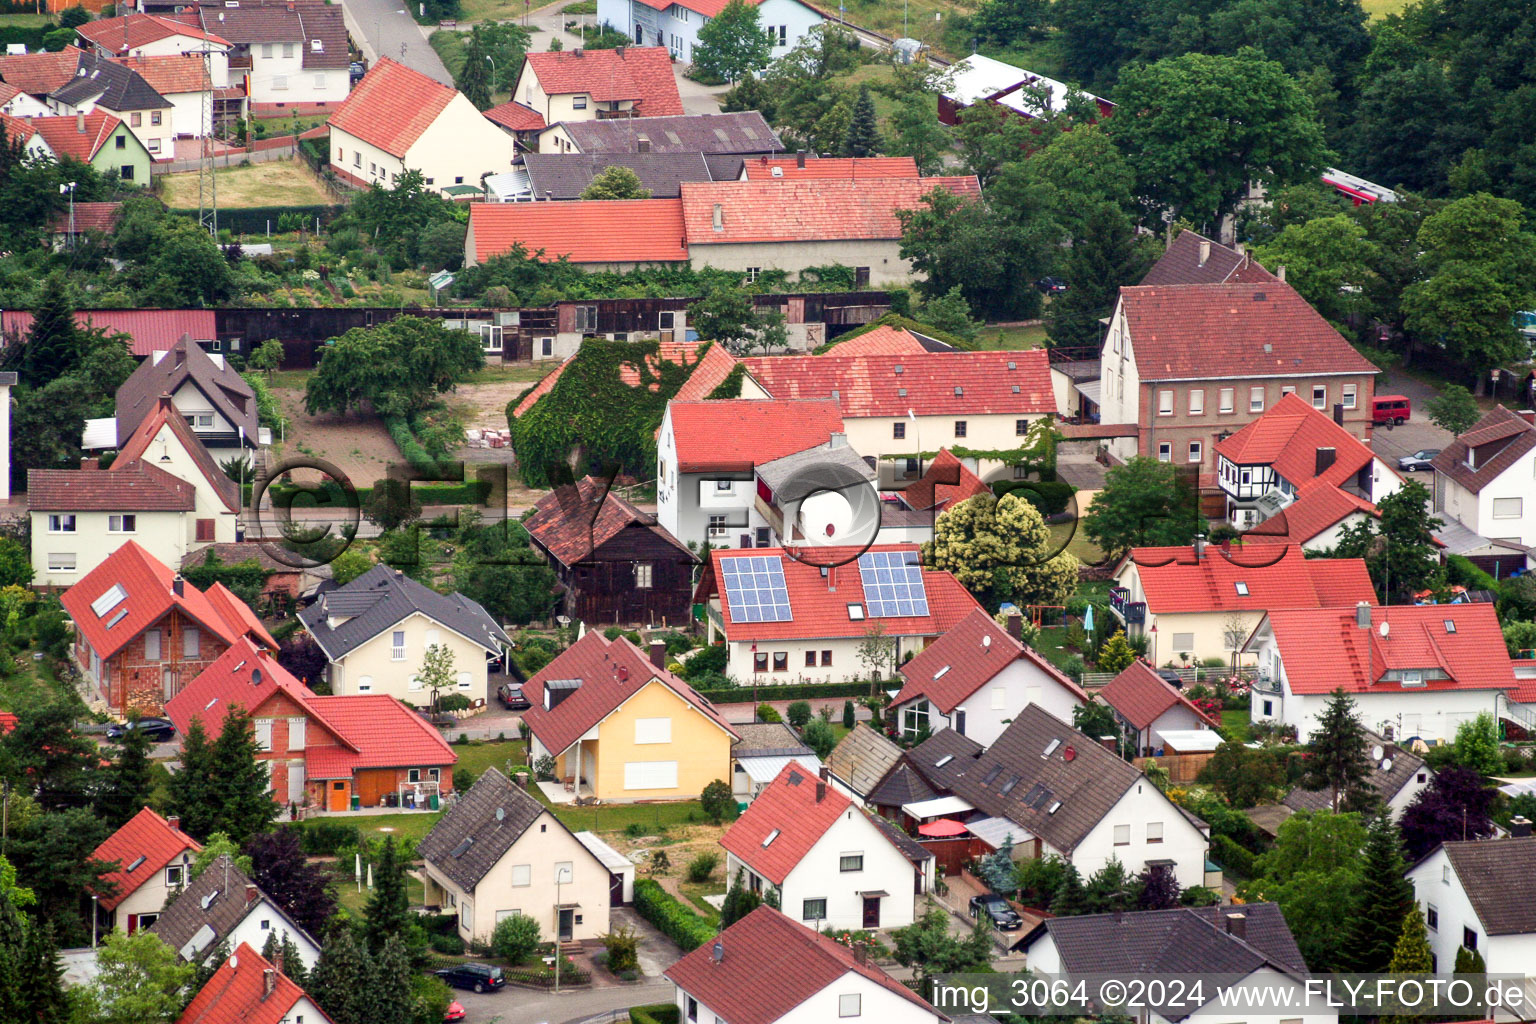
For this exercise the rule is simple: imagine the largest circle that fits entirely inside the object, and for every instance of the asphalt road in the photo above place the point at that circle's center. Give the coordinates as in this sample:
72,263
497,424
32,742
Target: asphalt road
384,28
514,1005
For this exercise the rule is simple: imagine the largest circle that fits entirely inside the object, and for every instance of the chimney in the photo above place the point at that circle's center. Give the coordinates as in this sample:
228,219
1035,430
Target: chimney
250,894
80,122
1520,827
837,439
623,673
1237,925
173,820
642,144
1362,615
1016,627
1109,744
1325,458
89,465
1205,250
718,221
659,653
578,52
620,51
1280,273
861,952
179,585
165,403
1199,546
277,960
1529,415
821,788
268,982
800,159
1338,413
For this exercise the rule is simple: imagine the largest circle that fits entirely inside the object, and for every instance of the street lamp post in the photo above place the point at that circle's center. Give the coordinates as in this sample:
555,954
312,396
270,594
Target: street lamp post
69,187
94,900
493,74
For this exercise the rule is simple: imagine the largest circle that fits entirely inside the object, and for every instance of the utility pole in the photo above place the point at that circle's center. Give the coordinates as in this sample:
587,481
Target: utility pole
69,186
207,181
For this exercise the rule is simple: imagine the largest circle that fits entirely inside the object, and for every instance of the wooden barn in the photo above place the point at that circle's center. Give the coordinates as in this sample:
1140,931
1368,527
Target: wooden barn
616,564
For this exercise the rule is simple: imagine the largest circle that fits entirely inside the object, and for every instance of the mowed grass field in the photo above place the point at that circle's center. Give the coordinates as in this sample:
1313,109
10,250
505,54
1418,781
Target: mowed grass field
277,183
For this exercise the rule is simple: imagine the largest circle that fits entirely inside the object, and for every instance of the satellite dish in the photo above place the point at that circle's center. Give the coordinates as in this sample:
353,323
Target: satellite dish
501,813
1378,752
1386,627
1386,764
986,641
1069,754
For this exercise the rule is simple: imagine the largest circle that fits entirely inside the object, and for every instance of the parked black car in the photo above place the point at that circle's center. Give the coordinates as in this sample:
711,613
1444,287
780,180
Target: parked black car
1051,285
1172,678
1002,916
512,698
480,977
161,730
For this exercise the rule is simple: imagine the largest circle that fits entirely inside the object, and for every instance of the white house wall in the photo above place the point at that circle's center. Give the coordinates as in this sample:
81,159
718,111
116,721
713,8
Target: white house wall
1436,885
1144,804
876,1003
678,28
999,701
163,534
262,921
881,256
818,876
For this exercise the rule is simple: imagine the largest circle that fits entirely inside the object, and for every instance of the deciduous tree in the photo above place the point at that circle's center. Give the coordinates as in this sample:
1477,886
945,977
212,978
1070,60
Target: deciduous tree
1144,503
729,316
615,183
284,873
1398,547
1454,806
1000,548
1453,409
733,44
141,980
1328,260
395,368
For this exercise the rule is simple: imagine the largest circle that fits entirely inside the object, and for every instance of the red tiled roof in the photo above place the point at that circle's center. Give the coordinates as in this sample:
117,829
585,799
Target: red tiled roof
1174,580
639,73
171,73
238,613
737,434
17,129
1181,264
1288,437
382,733
1318,506
957,664
583,230
38,74
134,30
87,217
1324,648
787,806
146,835
8,722
515,116
819,605
542,388
236,994
570,527
823,209
611,671
681,353
870,385
947,481
231,680
708,374
772,965
65,138
832,167
129,486
392,106
148,583
884,340
165,415
1141,696
152,330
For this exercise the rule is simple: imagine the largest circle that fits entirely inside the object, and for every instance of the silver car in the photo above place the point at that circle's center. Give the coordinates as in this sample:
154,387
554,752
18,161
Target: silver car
1418,460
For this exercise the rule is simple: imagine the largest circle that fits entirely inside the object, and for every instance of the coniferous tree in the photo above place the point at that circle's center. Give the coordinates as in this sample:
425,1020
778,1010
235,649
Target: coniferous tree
41,985
392,983
341,980
1336,754
1469,961
1385,898
12,942
210,966
1411,955
56,761
131,780
1108,256
191,787
474,81
53,344
241,786
863,138
1111,888
293,962
1071,898
388,912
740,901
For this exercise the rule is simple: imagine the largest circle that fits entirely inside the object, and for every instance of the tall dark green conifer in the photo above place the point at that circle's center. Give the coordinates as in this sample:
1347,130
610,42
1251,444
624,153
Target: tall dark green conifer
192,794
41,985
1106,257
342,979
863,138
53,344
241,786
131,782
1384,899
1071,897
392,983
474,80
388,912
1336,756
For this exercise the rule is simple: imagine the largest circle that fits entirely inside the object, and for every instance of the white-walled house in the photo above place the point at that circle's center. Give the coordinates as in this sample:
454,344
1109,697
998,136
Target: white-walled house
588,85
498,853
1413,671
398,119
1060,792
154,35
1397,777
833,865
153,857
766,969
1151,709
1481,895
223,905
290,53
249,988
975,678
676,25
1484,478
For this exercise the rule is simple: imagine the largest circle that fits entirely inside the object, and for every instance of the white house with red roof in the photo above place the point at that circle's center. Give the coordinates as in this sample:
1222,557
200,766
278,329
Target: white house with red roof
706,456
833,865
897,405
153,856
1483,477
1301,475
1203,601
157,35
591,85
676,25
142,633
785,620
1413,671
975,678
1152,710
249,989
398,119
767,969
321,751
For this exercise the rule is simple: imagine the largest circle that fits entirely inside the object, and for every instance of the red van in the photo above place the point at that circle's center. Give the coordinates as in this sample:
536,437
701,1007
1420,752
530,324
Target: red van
1394,409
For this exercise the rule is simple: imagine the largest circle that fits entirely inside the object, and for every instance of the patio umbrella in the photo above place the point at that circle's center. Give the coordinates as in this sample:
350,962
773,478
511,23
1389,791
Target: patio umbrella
942,828
1088,620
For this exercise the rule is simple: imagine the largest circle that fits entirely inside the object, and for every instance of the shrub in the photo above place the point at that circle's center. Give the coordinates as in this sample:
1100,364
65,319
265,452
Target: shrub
623,947
515,938
799,713
702,866
675,921
1229,855
849,720
454,702
718,800
766,713
324,838
660,1013
448,945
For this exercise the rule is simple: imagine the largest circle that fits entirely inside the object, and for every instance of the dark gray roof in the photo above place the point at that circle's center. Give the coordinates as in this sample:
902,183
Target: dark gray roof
298,22
111,85
164,373
1164,942
901,785
1496,875
566,175
910,848
381,597
768,739
862,758
480,828
217,899
1032,763
744,133
1387,783
724,166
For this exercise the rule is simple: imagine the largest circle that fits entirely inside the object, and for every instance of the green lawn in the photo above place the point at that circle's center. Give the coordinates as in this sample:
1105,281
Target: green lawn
617,817
1011,337
25,20
695,893
347,893
498,373
1234,725
477,757
29,686
407,826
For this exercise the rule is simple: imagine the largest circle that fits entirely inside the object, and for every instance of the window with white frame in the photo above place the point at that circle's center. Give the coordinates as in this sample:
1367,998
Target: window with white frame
1256,399
717,526
61,561
1197,402
1225,398
1319,396
1165,403
1350,391
1154,831
61,523
643,575
849,1005
397,645
287,51
1165,451
365,684
1122,835
263,734
522,874
578,103
127,523
1183,642
850,862
1195,451
1508,508
173,875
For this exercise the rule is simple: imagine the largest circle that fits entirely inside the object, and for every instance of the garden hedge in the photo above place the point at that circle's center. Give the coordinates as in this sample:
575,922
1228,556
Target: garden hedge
252,220
677,922
658,1013
788,691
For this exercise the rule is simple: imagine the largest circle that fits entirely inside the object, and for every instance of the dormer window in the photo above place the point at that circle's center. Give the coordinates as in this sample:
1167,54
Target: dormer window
856,612
1242,588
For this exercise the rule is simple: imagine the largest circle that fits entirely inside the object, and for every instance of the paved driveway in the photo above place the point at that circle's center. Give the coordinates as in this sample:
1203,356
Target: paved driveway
385,28
514,1005
1391,443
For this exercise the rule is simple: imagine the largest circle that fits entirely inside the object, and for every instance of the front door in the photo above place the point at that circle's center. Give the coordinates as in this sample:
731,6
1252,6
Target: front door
567,917
338,801
871,912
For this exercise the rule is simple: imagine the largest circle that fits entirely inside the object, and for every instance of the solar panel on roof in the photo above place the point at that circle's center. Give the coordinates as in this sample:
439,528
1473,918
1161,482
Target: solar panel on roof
893,584
755,589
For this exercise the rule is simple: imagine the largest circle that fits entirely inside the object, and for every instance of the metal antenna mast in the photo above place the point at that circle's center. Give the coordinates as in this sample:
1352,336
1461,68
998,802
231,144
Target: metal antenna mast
207,182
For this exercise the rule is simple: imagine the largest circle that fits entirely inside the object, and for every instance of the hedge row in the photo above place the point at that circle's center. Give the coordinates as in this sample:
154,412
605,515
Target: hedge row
677,922
1231,856
788,691
659,1013
252,220
471,492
